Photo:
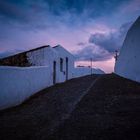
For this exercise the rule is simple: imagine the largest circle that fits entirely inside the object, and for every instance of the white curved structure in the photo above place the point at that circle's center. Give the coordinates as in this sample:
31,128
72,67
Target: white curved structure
128,63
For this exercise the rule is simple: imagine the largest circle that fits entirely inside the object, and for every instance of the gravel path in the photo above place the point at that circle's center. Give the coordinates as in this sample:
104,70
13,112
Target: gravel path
38,117
110,111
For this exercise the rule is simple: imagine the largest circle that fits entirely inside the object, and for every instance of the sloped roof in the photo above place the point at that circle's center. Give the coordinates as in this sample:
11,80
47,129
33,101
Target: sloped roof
38,48
59,46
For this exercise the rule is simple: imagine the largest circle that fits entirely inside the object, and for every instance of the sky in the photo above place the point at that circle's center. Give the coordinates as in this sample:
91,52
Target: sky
87,28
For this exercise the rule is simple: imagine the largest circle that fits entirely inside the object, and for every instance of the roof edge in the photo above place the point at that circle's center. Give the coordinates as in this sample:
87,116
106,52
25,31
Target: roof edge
44,46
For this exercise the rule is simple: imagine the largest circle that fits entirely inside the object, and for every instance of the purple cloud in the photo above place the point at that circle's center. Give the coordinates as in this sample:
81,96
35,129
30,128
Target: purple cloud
111,41
101,46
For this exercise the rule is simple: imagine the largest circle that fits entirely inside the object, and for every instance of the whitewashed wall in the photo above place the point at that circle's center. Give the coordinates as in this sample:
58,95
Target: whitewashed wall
46,57
18,84
42,57
128,63
83,71
63,53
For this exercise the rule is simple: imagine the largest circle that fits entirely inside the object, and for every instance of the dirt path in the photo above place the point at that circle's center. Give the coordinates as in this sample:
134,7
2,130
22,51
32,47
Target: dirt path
110,111
87,108
43,113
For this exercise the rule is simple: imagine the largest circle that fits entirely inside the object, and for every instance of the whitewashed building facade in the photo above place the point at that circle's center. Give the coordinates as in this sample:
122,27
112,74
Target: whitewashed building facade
128,63
26,73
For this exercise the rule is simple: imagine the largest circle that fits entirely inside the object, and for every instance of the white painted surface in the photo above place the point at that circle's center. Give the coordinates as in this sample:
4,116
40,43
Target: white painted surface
63,53
42,57
18,84
46,57
83,71
128,64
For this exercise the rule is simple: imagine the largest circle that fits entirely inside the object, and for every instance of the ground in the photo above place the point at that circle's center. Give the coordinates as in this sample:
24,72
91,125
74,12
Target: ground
100,107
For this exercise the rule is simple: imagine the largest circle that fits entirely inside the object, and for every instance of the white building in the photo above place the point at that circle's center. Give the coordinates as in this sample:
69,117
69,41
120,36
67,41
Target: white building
58,59
24,74
128,63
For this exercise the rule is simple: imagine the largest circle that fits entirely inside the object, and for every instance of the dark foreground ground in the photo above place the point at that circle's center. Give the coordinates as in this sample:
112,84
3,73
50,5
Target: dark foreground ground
75,110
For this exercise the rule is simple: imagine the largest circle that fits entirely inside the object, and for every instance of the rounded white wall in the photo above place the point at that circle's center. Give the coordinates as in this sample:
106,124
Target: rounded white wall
128,64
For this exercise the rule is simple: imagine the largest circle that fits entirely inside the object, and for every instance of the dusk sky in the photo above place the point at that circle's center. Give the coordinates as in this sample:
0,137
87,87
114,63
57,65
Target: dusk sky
87,28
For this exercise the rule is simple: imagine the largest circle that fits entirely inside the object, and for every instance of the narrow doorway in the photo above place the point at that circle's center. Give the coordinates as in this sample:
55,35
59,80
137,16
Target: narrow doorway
67,69
54,72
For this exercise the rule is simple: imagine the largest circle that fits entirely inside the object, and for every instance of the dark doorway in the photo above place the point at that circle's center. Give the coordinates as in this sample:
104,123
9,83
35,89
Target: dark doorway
61,64
54,72
67,69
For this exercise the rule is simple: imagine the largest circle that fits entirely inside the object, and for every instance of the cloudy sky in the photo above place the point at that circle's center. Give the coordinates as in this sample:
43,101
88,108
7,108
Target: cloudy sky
87,28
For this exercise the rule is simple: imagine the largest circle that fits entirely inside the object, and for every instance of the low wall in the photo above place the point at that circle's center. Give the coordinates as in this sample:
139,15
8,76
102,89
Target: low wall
17,84
83,71
78,72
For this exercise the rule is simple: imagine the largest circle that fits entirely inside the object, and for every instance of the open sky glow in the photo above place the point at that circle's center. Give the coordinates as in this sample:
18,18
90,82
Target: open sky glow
87,28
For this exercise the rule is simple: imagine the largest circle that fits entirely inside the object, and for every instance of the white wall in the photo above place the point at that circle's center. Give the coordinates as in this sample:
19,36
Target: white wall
46,57
128,63
78,72
42,57
83,71
18,84
63,53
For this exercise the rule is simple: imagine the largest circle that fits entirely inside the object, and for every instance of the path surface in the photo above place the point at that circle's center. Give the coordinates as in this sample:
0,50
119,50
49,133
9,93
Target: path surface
103,107
110,111
42,114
